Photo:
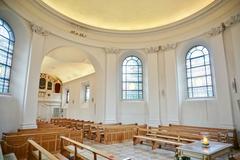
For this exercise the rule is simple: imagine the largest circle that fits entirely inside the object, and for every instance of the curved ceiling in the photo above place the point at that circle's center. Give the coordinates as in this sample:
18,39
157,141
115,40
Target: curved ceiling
67,64
127,14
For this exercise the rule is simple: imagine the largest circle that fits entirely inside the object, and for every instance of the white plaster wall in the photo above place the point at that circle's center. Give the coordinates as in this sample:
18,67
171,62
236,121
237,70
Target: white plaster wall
11,106
77,108
212,112
133,111
111,88
232,48
9,114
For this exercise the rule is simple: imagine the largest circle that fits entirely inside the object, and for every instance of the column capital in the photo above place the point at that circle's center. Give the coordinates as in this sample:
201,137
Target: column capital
232,20
168,46
39,30
152,50
217,30
224,25
112,50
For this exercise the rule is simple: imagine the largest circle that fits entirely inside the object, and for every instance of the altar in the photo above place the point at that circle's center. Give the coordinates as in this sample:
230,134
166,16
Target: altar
197,150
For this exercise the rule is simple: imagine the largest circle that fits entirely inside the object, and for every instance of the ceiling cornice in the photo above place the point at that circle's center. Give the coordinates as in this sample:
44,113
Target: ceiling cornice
191,27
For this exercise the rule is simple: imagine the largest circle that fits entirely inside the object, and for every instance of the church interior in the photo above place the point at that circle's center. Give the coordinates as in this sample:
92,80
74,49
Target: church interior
120,80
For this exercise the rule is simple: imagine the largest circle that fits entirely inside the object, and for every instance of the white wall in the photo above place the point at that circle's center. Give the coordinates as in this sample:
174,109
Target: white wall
212,112
8,109
232,47
77,108
130,111
11,106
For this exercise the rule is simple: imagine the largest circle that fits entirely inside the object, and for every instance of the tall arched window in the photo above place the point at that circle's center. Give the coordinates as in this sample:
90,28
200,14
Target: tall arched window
132,78
6,52
199,74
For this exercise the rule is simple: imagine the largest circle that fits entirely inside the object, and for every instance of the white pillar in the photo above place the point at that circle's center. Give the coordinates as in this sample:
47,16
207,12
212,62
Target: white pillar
171,92
31,91
162,88
222,83
111,85
153,88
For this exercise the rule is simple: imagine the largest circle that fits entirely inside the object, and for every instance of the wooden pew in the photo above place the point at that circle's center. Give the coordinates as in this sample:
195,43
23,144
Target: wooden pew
116,134
93,129
157,138
157,141
48,140
77,149
37,152
215,134
10,156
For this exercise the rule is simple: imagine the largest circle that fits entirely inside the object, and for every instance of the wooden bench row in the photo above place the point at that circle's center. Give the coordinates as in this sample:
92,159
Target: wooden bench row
71,123
10,156
37,152
70,149
102,133
157,137
50,140
215,134
116,134
79,150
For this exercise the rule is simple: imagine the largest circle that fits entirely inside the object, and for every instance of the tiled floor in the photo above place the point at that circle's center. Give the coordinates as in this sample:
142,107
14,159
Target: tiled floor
137,152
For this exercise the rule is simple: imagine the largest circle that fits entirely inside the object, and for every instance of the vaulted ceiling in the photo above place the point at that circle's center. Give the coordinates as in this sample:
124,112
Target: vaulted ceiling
67,64
127,14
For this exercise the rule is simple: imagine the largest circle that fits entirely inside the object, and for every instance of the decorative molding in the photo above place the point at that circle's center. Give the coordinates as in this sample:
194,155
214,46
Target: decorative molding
217,30
39,30
78,31
112,50
223,26
233,20
152,50
168,47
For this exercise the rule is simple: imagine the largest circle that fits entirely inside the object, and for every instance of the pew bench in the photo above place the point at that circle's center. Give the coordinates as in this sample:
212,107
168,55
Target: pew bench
222,134
156,141
10,156
37,152
178,138
82,151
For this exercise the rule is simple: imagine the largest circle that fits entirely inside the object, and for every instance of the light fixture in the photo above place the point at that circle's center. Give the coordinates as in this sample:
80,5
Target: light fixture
205,141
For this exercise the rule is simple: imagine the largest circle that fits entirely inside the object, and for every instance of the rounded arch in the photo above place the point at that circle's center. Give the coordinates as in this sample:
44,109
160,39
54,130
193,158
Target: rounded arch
135,53
94,61
194,48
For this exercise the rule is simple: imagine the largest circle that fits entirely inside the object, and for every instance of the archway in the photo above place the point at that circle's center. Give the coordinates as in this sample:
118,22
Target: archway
75,69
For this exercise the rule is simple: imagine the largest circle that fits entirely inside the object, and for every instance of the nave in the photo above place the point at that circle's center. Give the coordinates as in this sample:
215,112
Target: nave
63,138
120,79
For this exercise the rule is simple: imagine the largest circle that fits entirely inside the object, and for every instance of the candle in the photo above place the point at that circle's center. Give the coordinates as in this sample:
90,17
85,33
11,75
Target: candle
205,140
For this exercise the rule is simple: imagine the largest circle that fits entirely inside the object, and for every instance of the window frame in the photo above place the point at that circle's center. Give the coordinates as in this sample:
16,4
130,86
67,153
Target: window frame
5,89
205,75
139,82
87,88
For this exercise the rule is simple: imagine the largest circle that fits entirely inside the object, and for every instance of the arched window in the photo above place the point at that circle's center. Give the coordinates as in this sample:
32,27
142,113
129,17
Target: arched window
199,74
6,53
132,78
